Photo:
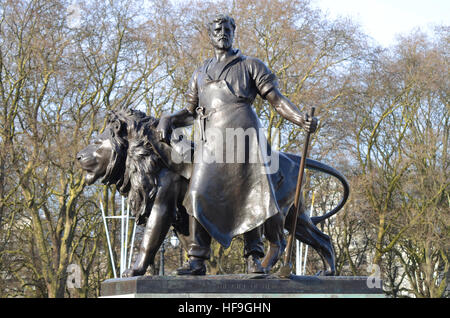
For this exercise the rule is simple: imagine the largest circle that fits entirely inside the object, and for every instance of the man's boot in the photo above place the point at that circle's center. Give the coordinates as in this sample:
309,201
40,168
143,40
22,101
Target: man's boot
254,265
194,266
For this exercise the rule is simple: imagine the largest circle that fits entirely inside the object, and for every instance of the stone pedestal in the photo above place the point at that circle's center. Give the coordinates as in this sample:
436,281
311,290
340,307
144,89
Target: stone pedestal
241,286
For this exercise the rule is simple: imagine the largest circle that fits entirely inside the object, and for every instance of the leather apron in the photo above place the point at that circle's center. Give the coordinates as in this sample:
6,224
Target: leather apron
228,197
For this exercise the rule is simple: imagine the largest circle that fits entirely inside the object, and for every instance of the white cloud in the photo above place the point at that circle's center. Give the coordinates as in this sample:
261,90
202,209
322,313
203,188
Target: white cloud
383,19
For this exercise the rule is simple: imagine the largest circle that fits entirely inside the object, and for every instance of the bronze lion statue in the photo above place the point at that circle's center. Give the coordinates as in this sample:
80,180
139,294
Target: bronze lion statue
129,154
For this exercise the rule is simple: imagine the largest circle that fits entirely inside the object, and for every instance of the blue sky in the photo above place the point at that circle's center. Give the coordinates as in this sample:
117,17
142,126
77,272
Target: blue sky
384,19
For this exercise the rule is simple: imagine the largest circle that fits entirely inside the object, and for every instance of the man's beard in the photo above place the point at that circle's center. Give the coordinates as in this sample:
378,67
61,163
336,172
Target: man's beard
224,44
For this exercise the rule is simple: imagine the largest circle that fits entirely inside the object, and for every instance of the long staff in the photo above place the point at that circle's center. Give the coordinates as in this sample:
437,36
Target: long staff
286,269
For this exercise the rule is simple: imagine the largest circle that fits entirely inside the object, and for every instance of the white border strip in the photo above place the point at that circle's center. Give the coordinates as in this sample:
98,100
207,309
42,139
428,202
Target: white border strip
213,295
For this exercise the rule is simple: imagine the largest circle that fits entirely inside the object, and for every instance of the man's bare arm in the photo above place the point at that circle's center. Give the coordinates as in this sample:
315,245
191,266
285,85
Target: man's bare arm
289,111
167,123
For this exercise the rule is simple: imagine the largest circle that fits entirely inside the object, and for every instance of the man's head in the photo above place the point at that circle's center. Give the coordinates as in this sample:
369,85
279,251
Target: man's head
221,31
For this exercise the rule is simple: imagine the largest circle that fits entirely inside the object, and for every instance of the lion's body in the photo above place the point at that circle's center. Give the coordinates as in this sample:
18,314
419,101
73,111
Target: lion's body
129,155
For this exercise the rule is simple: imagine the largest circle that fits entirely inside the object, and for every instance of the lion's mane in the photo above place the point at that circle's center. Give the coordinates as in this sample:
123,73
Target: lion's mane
134,163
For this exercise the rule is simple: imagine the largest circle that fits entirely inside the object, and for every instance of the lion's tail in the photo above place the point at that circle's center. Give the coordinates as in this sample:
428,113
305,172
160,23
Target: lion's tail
318,166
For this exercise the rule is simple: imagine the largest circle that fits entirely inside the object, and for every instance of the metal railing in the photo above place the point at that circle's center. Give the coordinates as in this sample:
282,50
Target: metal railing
124,228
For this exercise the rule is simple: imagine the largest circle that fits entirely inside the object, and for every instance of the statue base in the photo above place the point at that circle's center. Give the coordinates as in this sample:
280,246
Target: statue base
242,286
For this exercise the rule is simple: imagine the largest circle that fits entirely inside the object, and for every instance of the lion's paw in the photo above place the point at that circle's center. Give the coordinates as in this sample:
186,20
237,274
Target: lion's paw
325,273
131,273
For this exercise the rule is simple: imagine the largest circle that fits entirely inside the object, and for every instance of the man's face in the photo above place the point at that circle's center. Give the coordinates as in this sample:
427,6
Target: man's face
221,35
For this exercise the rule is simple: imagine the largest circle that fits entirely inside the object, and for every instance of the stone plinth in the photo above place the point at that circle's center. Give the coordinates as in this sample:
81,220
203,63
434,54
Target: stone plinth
241,286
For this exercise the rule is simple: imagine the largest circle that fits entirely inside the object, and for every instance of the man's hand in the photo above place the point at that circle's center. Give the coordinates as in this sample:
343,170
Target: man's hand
164,129
309,123
289,111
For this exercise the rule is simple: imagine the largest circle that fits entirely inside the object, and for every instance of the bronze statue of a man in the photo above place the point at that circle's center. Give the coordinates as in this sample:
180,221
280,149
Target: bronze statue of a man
226,199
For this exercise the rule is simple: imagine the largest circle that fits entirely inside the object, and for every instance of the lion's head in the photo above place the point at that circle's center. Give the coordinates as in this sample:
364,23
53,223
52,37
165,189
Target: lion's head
126,154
